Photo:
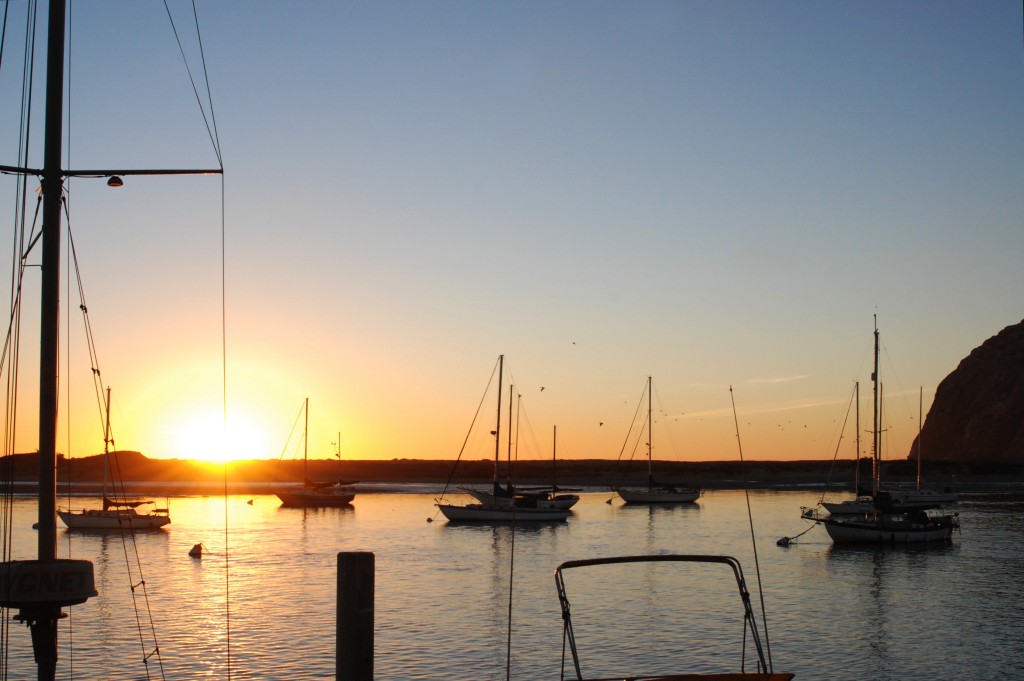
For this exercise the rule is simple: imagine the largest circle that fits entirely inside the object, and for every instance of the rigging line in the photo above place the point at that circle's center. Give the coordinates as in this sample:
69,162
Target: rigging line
839,442
3,34
206,79
753,538
629,434
12,340
224,407
90,340
128,536
295,425
674,448
116,477
469,432
192,80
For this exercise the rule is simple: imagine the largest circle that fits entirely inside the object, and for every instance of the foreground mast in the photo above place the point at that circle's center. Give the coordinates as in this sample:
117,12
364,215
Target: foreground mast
40,588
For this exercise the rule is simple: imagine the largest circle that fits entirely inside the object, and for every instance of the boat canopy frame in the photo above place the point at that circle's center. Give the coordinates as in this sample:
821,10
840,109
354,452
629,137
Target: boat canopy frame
764,665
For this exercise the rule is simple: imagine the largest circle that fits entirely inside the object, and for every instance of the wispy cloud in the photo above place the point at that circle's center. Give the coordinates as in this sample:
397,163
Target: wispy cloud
772,381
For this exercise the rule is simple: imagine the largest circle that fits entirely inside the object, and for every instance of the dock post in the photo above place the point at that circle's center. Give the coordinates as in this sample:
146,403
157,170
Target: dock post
355,616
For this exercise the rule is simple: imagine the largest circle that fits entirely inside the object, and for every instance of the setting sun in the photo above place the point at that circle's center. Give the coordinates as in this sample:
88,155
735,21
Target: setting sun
206,438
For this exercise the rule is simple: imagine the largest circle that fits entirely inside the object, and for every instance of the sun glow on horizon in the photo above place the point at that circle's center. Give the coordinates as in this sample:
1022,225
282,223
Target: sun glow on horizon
207,437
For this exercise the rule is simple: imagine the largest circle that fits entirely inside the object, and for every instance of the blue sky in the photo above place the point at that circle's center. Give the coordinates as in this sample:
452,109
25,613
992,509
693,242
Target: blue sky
712,193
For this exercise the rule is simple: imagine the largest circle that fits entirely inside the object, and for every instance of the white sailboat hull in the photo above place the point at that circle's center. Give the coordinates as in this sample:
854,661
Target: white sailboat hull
659,496
505,514
888,530
113,520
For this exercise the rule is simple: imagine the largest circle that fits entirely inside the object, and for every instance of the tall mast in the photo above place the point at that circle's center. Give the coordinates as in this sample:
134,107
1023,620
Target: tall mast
875,462
856,459
554,457
650,470
106,451
921,412
511,415
497,421
305,444
49,325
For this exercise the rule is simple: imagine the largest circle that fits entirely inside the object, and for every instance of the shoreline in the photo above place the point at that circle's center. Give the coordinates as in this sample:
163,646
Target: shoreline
142,475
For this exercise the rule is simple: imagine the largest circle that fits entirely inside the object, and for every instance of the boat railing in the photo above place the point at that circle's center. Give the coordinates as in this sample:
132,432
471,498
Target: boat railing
750,622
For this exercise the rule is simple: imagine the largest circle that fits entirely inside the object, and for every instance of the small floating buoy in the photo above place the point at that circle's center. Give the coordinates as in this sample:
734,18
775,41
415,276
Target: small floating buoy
35,526
608,502
249,502
196,551
430,520
783,542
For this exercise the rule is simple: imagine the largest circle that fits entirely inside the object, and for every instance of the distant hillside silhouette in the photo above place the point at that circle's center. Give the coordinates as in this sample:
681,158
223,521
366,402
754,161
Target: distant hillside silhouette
177,476
978,412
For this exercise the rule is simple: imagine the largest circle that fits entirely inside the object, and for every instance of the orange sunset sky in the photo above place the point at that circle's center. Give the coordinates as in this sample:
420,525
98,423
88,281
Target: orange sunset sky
712,194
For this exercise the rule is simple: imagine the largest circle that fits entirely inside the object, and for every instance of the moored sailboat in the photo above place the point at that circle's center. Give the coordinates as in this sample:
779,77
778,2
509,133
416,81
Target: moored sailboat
903,498
891,518
316,494
553,496
116,514
656,492
503,503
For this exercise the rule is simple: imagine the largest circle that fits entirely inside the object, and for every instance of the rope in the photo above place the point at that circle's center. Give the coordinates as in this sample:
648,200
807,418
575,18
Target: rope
211,124
835,455
9,359
465,441
786,541
211,131
753,539
145,625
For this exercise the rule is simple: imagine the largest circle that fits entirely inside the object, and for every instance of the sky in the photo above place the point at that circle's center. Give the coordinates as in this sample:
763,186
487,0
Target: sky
713,194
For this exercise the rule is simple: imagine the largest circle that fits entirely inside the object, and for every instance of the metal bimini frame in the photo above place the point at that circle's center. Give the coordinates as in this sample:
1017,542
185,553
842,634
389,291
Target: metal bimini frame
764,669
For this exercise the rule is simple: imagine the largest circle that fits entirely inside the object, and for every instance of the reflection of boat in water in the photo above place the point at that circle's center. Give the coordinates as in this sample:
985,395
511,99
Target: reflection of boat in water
116,514
762,662
315,494
891,518
503,503
655,492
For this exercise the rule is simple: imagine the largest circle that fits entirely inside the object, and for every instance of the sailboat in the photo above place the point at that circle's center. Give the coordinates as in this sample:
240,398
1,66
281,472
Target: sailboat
890,519
656,492
116,514
316,494
553,496
504,503
904,498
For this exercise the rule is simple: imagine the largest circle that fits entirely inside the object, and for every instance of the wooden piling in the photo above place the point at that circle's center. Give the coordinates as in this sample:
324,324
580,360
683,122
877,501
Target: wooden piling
355,616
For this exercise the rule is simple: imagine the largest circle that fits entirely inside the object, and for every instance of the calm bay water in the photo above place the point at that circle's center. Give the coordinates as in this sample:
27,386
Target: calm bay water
442,593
